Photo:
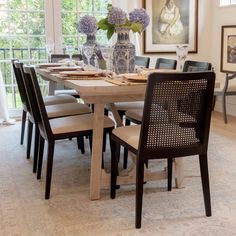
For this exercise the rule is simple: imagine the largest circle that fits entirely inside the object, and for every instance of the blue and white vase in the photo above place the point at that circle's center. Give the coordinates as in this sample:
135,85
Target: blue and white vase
124,52
91,40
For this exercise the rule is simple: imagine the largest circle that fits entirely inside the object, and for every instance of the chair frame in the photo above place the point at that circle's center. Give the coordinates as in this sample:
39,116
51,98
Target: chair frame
203,66
171,62
46,133
224,92
145,60
144,154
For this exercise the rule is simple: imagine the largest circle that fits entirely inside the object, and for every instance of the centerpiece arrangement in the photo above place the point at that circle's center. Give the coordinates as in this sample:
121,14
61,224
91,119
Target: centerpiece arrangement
88,25
118,21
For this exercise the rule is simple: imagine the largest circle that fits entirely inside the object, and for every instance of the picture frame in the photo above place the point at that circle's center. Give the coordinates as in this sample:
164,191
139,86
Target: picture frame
228,48
164,32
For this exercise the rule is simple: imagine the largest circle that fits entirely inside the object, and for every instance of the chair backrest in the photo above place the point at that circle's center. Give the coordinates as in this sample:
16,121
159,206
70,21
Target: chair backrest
57,57
39,113
34,112
20,84
165,136
194,66
77,57
142,61
165,63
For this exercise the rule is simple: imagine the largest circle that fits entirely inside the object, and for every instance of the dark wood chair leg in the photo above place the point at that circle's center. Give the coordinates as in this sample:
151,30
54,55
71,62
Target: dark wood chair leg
104,144
29,139
214,103
40,157
115,151
36,147
125,162
24,113
80,142
169,174
224,108
139,193
51,145
104,135
205,183
90,142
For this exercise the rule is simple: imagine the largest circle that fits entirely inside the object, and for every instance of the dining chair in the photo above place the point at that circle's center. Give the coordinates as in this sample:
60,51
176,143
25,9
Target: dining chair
58,128
134,114
162,137
49,100
165,63
227,88
193,66
53,111
60,89
142,61
58,57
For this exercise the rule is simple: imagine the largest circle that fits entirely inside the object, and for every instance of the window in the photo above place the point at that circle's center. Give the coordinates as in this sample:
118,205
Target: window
26,26
72,11
227,2
22,36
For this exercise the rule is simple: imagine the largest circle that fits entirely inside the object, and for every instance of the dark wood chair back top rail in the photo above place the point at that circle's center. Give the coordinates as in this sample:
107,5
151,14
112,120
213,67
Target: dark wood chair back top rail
58,57
192,66
142,61
165,63
31,98
21,87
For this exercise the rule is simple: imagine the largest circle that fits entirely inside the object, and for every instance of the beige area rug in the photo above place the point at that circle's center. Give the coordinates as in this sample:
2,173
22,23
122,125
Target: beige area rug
24,212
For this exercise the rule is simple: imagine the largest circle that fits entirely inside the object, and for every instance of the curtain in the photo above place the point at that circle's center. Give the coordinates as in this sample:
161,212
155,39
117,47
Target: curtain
4,115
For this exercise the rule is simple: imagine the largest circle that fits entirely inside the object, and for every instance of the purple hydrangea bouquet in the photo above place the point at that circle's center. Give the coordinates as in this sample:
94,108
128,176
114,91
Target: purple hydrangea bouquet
87,25
137,20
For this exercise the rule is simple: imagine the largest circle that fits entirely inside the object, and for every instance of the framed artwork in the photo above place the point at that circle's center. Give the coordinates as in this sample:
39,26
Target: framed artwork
172,22
228,48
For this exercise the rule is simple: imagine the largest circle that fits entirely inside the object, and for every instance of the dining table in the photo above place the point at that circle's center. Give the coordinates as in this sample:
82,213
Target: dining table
101,91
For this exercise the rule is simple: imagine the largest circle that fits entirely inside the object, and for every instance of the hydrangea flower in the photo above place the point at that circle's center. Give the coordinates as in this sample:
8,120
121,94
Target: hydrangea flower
139,15
87,25
116,16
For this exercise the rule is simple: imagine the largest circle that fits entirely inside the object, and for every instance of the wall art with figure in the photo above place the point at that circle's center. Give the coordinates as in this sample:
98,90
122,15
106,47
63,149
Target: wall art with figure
228,48
173,22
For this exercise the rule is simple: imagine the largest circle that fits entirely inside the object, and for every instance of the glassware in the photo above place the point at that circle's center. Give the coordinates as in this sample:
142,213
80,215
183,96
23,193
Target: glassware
88,51
107,53
49,50
181,52
70,50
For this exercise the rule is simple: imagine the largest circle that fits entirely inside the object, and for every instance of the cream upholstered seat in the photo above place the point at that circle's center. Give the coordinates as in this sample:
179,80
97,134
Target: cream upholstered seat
131,134
123,106
59,99
69,109
77,123
57,128
70,92
136,116
227,88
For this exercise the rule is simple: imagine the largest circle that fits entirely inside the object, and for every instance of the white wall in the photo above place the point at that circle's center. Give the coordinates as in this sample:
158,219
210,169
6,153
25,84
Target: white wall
221,16
210,19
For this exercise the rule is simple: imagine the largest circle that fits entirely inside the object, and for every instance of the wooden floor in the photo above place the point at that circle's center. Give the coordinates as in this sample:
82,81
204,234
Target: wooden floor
217,123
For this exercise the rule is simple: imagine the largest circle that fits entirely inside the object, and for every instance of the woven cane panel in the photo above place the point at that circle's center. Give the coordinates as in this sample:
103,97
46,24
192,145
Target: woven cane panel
174,114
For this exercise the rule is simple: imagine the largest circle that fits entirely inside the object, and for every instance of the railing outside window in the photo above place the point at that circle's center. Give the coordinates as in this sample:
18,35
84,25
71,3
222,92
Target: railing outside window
36,55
